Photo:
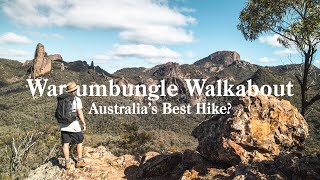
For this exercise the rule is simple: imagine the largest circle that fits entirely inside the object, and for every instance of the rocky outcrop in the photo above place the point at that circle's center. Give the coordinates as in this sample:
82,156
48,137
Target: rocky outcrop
219,57
285,166
55,57
245,65
172,73
124,82
159,165
167,70
101,164
42,63
170,166
62,66
187,165
27,63
255,141
92,67
258,129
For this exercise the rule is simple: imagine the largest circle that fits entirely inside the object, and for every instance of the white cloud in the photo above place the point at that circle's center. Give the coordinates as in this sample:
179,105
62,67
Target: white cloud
141,51
317,61
162,24
57,36
157,35
186,10
265,60
13,38
14,54
270,40
45,35
284,52
37,34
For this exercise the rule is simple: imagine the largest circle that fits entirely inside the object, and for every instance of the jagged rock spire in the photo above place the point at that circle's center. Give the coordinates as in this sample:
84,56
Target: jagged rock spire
42,63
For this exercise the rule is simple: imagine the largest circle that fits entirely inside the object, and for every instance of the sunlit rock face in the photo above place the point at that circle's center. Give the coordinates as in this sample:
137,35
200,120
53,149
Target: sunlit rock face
257,129
42,63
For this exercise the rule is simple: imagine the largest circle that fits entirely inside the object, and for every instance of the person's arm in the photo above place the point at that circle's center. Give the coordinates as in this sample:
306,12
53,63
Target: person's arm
81,117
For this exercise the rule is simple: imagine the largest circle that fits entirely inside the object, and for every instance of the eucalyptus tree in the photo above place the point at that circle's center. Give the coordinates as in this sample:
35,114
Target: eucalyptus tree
297,22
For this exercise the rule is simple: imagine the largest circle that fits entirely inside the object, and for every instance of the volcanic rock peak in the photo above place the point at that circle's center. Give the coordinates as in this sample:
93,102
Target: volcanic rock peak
42,62
220,57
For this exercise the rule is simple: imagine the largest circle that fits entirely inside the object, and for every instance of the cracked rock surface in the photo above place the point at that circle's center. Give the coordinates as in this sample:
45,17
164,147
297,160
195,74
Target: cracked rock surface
257,129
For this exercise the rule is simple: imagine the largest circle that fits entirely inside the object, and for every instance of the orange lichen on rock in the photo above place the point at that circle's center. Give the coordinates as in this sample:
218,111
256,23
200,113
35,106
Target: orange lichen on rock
263,126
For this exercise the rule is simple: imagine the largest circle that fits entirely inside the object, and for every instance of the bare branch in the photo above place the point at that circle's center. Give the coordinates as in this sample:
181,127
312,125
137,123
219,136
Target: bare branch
19,153
299,80
307,114
280,34
314,99
297,11
51,151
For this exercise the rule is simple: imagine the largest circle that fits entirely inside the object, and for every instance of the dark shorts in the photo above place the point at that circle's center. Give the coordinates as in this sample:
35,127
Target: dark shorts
71,137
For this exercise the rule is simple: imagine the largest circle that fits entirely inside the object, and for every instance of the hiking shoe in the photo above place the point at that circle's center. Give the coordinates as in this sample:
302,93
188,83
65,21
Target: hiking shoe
81,164
68,165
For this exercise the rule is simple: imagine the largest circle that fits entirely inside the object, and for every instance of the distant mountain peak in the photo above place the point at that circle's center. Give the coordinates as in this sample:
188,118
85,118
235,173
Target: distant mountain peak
220,57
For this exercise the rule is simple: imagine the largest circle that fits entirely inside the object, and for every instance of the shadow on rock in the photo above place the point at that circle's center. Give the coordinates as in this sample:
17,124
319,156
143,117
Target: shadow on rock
55,162
188,165
285,166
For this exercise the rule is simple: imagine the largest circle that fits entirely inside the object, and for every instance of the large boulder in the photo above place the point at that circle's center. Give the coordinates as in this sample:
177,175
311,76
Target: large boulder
257,129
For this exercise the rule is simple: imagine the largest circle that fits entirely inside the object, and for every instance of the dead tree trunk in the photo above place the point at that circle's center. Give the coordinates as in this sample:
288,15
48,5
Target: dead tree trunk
20,152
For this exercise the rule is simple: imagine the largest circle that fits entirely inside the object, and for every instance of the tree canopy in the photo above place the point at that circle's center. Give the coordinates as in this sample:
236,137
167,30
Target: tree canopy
297,22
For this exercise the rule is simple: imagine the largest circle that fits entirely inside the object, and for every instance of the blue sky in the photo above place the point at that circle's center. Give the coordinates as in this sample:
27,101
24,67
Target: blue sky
124,33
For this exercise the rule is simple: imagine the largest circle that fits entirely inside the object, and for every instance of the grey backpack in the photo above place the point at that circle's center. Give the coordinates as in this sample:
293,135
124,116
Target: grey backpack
64,112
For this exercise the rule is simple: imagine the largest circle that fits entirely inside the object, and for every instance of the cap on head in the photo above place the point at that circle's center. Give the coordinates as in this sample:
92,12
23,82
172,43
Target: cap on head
72,86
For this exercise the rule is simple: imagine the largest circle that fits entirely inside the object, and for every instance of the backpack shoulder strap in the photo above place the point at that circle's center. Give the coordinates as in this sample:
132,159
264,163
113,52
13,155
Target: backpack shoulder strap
75,99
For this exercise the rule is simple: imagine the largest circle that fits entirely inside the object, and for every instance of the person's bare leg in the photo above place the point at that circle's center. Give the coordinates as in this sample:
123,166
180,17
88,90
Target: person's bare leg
79,150
65,149
80,162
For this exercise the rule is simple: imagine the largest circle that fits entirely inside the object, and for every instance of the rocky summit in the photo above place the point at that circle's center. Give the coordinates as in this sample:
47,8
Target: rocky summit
219,57
258,129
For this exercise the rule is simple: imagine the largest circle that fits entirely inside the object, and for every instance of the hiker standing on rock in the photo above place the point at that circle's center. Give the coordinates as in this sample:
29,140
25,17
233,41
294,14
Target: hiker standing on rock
69,107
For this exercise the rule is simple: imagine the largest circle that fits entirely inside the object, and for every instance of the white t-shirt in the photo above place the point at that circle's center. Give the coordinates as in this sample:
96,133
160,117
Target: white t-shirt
75,125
